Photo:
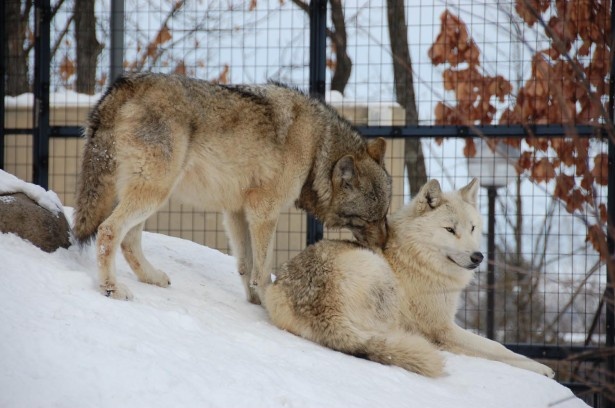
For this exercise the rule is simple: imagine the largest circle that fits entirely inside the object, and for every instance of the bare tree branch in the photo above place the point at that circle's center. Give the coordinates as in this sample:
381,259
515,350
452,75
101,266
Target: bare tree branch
61,35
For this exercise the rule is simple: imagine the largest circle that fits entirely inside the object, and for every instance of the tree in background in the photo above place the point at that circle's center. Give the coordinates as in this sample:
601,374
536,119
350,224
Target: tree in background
402,71
404,92
18,43
342,64
567,85
87,46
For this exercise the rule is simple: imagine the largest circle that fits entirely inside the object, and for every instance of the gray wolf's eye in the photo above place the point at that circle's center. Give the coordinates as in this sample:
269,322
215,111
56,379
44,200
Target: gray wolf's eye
473,228
451,230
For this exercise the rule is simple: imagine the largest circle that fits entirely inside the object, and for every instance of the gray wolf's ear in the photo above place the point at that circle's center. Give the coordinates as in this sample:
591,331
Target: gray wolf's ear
344,170
430,196
376,149
469,193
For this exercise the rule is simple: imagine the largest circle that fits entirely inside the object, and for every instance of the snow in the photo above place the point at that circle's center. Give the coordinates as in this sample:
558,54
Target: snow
199,343
46,199
63,98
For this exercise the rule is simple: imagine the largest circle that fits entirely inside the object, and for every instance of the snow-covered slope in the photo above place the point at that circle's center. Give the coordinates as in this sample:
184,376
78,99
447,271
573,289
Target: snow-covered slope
199,343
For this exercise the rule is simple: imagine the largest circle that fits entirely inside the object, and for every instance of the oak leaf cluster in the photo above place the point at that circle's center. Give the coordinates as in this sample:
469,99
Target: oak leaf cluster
567,85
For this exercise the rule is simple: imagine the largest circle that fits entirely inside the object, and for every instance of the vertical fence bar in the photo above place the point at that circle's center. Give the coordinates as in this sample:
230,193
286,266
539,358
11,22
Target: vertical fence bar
318,58
42,62
492,193
117,40
610,267
3,79
610,294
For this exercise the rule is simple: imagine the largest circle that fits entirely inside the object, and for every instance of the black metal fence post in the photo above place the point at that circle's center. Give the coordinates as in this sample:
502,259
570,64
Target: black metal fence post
42,62
3,79
318,59
610,292
492,193
610,267
117,40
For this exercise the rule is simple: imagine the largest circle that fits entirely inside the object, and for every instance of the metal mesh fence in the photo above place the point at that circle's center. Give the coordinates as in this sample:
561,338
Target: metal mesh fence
549,281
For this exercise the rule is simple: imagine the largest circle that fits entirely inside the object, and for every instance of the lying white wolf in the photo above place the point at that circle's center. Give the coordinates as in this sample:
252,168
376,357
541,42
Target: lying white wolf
397,307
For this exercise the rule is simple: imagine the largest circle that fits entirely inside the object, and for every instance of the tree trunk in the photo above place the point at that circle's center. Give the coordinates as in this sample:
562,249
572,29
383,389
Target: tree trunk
404,91
343,66
88,47
16,57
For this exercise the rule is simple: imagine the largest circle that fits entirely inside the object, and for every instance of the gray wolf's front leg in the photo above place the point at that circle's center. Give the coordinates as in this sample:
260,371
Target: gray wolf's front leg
262,234
241,248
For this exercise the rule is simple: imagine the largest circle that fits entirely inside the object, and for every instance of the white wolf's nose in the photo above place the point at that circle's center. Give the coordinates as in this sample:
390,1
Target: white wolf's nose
476,258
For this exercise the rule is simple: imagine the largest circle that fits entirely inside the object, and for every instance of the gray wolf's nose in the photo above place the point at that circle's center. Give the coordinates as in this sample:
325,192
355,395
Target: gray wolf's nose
477,257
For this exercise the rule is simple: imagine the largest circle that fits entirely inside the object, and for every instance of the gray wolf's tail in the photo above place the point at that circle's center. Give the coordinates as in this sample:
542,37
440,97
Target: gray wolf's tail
96,194
409,351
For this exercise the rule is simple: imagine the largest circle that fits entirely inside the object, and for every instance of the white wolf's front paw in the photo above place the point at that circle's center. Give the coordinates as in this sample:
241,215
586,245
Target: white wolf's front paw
548,372
157,278
118,291
542,369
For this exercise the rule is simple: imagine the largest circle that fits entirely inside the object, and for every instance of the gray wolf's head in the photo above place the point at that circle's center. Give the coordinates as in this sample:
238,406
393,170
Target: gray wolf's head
446,226
362,195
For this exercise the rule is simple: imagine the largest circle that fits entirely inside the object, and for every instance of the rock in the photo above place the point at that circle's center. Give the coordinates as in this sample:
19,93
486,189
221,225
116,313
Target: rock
22,216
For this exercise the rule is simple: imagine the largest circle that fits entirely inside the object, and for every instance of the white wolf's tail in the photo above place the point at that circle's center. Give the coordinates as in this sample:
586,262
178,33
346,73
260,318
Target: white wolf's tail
406,350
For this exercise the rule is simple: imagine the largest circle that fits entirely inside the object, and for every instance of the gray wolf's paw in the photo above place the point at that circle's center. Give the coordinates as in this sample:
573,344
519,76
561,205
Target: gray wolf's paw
117,291
157,278
253,296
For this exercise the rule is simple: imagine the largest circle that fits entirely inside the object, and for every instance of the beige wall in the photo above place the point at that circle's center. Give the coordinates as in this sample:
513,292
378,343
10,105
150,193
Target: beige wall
176,219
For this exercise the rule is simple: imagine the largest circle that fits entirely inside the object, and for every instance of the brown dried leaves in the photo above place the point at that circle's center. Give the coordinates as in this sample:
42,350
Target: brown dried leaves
567,85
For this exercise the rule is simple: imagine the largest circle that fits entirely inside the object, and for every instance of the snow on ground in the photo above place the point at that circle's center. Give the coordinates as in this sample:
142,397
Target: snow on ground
199,343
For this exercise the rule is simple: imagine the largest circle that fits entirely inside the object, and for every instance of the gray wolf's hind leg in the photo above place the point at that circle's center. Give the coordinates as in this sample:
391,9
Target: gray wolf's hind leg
241,247
111,233
133,252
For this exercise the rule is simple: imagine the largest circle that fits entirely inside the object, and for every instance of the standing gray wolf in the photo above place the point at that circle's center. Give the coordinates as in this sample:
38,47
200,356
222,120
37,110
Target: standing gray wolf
397,306
245,150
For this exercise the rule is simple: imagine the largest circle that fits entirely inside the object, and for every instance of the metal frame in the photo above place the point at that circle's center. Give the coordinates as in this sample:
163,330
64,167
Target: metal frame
2,80
318,80
42,62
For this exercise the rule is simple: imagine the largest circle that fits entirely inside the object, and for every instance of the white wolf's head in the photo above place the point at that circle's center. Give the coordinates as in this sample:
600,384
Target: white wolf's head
446,227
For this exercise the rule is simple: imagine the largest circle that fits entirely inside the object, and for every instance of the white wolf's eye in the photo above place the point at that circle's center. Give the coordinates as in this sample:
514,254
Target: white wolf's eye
449,229
473,228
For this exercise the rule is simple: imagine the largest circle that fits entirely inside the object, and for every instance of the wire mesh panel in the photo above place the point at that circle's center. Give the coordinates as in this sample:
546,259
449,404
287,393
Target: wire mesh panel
534,75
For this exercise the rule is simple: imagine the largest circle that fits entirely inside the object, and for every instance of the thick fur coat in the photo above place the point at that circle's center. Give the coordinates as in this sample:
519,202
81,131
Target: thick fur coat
397,306
248,151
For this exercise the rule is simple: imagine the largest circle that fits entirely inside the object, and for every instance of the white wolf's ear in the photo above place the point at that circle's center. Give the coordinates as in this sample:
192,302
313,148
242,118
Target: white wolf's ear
429,197
469,193
344,170
376,149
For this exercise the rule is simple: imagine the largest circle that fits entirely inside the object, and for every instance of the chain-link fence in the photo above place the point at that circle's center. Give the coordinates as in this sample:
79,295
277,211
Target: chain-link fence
517,93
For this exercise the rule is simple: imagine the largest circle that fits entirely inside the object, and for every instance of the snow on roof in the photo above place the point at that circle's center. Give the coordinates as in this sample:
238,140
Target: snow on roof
64,98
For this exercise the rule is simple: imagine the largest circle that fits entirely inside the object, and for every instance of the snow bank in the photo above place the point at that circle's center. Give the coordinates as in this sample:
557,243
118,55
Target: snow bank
198,343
